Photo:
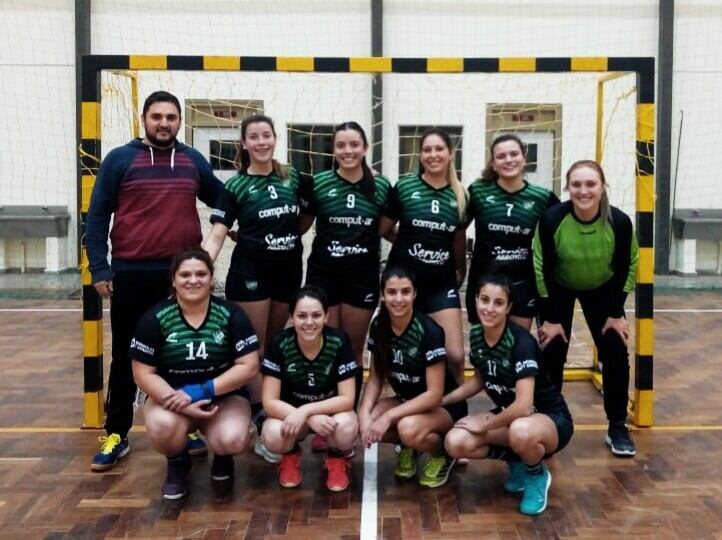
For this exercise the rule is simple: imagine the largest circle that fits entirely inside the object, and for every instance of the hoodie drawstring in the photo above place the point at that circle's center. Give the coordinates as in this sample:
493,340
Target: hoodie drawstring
172,158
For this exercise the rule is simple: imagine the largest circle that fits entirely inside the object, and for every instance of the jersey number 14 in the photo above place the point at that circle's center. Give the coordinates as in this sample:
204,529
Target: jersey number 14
199,352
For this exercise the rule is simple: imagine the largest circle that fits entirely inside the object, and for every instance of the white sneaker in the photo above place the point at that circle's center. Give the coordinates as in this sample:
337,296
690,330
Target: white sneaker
260,450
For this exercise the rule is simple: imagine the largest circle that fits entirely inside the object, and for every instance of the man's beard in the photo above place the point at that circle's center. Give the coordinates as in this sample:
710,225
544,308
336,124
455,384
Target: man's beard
158,144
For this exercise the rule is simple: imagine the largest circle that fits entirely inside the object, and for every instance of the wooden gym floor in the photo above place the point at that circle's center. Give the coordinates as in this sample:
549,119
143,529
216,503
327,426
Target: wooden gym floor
670,490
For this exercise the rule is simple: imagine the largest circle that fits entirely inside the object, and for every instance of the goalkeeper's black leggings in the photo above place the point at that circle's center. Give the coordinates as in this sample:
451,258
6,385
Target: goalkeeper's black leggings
611,348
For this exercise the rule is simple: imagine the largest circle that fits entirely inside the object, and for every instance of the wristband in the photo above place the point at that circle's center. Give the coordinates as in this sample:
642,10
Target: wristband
198,392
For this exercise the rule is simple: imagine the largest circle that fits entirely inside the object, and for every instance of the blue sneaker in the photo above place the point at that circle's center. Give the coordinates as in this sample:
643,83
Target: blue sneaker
536,487
195,445
111,451
517,474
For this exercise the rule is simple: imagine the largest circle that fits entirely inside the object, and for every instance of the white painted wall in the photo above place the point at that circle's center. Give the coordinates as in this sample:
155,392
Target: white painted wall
37,114
489,28
37,164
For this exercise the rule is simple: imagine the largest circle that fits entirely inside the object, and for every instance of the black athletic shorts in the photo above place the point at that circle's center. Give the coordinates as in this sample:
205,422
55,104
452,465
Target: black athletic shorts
565,428
562,421
523,296
357,287
253,277
436,293
458,410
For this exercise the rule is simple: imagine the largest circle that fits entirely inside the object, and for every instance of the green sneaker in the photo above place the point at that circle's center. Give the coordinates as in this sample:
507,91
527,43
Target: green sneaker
437,469
536,487
406,463
517,474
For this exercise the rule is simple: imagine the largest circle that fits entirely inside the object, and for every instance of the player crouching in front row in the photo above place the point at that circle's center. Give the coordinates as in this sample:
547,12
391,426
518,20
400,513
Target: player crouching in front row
407,349
531,421
192,355
310,382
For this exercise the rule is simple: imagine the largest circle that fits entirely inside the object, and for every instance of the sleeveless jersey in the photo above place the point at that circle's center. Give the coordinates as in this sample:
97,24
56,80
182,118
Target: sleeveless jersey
186,355
303,380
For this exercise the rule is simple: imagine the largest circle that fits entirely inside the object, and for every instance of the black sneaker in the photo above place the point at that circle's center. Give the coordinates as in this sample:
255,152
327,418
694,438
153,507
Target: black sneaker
175,485
619,440
222,468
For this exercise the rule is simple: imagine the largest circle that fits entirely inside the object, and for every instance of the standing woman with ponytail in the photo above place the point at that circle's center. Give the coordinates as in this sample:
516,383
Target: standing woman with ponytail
346,203
505,209
586,249
430,210
407,350
265,267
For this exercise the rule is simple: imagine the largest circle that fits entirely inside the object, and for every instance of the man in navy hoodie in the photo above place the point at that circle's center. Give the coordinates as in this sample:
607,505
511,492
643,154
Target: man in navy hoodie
150,187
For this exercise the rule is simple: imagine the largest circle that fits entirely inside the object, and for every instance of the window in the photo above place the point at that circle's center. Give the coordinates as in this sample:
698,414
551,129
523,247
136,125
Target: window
310,147
409,147
222,154
531,157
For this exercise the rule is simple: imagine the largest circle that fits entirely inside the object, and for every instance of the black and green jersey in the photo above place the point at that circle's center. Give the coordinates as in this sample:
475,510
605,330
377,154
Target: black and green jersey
346,219
421,345
515,356
428,218
184,355
504,223
585,255
303,380
266,208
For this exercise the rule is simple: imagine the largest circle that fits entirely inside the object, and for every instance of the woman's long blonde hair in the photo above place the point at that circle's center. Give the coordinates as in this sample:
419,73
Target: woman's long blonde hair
459,190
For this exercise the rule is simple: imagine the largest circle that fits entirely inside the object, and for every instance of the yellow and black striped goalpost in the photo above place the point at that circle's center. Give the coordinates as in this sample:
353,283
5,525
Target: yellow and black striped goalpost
642,407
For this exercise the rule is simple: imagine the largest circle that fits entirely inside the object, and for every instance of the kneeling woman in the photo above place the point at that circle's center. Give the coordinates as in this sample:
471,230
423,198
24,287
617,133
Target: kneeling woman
407,349
531,420
310,383
191,355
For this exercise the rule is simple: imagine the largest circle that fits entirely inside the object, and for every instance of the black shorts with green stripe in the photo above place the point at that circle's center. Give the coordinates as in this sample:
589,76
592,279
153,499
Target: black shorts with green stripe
355,285
253,277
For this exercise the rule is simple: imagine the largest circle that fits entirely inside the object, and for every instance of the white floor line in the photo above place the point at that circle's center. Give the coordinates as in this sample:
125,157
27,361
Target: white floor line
369,501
